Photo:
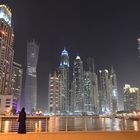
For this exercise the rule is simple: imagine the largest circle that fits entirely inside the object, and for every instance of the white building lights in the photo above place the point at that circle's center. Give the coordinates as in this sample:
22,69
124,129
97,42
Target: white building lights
5,14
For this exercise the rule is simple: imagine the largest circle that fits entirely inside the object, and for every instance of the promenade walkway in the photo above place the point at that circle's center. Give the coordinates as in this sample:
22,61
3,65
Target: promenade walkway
127,135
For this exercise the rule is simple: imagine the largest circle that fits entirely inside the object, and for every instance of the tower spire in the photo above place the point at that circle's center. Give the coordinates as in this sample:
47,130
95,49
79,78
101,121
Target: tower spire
64,58
112,69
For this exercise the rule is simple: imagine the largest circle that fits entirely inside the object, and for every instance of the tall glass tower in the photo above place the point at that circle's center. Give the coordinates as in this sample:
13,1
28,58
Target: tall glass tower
31,77
64,82
78,89
91,101
114,90
105,92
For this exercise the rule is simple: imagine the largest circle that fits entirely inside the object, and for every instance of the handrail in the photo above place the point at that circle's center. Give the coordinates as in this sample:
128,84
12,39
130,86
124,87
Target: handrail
66,123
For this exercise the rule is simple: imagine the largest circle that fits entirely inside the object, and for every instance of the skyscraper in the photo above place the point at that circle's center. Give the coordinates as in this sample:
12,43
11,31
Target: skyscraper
17,83
114,90
78,83
64,81
91,95
131,98
105,92
6,59
6,50
31,77
54,94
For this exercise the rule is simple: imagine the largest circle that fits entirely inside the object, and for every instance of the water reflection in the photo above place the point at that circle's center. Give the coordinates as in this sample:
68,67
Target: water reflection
135,123
38,126
6,126
56,123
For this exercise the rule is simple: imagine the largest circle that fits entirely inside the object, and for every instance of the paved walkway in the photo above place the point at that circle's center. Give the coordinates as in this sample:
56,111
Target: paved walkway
73,136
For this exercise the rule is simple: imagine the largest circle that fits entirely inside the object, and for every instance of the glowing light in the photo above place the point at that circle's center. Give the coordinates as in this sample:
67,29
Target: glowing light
138,39
135,123
64,52
6,126
78,57
5,14
131,89
106,70
2,6
114,93
100,71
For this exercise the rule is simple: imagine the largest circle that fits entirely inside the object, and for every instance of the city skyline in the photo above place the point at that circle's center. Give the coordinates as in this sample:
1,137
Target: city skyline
106,31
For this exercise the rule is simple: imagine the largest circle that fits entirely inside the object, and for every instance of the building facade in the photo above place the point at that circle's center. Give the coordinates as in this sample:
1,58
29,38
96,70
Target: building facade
63,71
105,92
54,94
6,50
91,95
114,91
78,86
17,84
131,98
6,60
30,91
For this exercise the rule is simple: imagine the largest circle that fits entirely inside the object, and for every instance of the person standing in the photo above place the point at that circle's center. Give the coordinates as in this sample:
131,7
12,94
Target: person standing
22,121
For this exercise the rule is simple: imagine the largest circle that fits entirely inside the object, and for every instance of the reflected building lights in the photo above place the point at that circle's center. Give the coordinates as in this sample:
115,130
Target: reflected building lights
135,124
6,126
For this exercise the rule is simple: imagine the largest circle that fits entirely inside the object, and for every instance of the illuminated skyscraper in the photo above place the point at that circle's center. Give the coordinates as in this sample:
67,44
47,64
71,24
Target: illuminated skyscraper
78,86
6,50
131,98
17,84
114,90
6,59
105,92
31,77
54,94
64,82
91,95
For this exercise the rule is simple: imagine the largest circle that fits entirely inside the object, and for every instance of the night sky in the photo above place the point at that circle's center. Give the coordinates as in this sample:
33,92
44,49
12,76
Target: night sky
104,29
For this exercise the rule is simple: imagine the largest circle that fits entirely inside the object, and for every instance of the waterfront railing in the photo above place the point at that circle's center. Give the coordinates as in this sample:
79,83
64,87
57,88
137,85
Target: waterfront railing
68,123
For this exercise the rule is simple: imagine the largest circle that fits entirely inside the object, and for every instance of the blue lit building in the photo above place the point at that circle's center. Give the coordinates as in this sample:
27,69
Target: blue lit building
64,82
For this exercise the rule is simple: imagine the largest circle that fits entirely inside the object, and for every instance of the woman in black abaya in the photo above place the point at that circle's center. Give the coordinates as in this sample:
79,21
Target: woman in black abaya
22,121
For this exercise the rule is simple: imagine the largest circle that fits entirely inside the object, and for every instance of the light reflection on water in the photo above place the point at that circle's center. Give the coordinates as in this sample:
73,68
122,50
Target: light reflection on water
6,126
71,124
38,126
135,125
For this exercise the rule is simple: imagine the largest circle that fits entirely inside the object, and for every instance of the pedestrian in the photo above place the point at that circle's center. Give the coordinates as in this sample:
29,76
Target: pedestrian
22,121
